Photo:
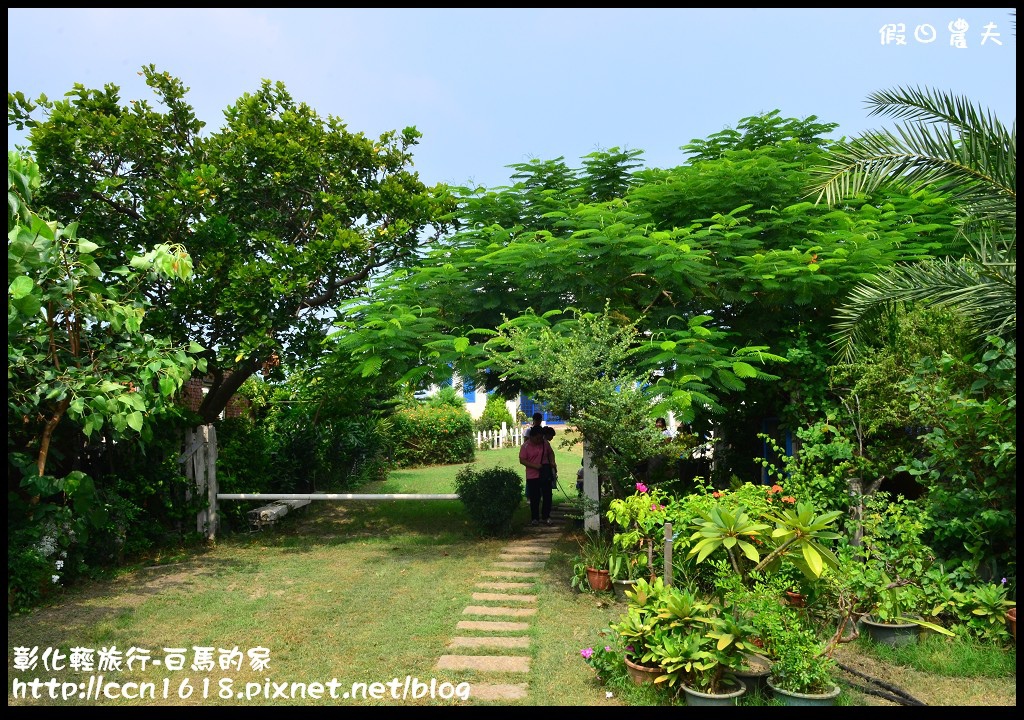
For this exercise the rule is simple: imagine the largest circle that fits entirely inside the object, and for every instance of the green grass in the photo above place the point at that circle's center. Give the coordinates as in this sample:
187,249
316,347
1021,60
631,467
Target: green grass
358,591
964,658
441,478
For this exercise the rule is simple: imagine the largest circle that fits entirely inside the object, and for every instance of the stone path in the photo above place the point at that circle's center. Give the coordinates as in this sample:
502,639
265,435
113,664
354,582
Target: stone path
492,640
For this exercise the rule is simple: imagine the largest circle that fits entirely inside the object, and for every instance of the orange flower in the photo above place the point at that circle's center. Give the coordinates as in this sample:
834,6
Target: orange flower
774,489
789,499
716,494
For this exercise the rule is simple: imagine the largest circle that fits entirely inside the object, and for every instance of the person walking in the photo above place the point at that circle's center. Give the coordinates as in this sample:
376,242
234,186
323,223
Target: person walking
532,455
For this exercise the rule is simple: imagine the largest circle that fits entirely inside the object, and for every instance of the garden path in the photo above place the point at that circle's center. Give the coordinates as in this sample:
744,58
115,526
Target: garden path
492,640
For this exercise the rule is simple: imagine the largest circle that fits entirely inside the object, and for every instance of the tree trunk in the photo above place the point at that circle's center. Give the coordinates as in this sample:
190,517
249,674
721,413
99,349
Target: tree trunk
225,385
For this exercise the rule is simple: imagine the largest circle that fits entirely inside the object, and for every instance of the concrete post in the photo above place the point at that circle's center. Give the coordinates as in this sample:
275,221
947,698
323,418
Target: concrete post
592,490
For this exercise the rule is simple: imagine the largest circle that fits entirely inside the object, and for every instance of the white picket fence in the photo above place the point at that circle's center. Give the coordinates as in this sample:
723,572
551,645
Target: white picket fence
497,439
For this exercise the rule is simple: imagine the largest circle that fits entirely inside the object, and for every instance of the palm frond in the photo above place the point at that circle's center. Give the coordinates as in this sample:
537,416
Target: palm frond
947,145
985,295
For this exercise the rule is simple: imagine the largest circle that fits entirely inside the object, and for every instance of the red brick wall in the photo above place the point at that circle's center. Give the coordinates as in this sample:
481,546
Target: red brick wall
192,394
192,398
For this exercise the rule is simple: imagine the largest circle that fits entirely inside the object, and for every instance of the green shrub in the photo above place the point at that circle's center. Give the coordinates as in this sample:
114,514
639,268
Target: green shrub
491,497
244,465
446,396
969,460
432,436
495,413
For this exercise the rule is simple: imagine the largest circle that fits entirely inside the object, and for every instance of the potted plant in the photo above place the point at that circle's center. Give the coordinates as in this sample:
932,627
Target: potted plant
637,630
699,644
638,521
713,678
595,554
885,572
801,672
625,569
641,629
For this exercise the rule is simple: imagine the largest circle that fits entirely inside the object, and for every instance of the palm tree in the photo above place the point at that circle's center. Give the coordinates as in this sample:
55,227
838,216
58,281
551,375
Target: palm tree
951,147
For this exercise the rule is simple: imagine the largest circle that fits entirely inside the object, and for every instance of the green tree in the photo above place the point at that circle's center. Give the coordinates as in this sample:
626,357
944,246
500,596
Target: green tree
949,146
76,344
283,212
719,255
81,362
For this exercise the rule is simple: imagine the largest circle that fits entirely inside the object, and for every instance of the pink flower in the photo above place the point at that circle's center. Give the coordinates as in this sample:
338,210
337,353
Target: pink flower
641,488
587,653
607,648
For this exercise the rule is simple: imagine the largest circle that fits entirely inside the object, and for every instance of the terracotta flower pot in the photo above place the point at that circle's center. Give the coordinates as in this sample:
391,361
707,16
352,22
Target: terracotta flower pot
642,674
599,579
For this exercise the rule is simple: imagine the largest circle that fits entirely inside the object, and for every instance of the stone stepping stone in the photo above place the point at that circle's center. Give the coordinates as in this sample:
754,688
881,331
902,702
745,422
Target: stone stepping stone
529,549
532,550
488,691
500,611
501,597
524,565
502,642
504,585
492,625
485,663
523,558
509,573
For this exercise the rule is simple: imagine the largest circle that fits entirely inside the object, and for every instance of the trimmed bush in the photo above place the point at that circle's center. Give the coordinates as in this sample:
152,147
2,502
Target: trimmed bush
495,413
491,497
432,436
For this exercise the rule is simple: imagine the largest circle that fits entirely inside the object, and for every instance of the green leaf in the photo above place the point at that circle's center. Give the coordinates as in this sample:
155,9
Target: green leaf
21,287
744,370
28,306
167,386
813,560
135,421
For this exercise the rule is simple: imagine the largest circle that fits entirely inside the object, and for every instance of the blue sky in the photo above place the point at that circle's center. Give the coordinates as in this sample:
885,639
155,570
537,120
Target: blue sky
493,87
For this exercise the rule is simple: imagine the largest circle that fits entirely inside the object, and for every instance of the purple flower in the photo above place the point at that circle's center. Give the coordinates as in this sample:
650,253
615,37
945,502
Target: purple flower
607,648
586,653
